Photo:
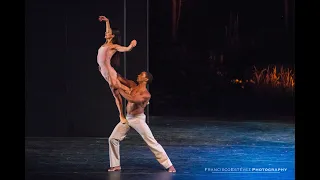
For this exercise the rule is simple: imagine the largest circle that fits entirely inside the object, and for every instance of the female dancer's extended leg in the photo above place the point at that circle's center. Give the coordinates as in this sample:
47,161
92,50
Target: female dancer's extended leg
118,100
115,84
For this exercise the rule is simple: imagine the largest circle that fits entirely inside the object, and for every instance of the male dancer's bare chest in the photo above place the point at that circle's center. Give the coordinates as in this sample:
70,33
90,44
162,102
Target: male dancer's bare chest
135,91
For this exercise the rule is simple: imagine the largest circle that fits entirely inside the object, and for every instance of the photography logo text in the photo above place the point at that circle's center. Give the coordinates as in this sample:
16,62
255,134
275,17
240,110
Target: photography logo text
246,170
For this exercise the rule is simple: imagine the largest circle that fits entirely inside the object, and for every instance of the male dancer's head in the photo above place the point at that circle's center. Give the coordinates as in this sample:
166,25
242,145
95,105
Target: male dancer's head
145,78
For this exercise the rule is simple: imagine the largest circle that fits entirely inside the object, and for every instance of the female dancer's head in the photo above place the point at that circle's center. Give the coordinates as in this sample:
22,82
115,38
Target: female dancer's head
113,36
108,35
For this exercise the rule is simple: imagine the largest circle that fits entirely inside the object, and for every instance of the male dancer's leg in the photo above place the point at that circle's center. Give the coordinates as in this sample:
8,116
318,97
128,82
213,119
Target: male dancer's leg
117,135
139,124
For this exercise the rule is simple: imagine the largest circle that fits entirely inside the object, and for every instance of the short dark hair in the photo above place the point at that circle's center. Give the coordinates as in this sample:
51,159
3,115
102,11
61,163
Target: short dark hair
149,76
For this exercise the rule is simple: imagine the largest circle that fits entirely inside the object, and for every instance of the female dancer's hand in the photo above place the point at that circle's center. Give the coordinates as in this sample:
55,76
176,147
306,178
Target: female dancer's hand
103,18
133,43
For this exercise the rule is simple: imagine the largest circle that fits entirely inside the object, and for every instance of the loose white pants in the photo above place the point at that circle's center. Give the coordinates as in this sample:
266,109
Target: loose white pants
137,122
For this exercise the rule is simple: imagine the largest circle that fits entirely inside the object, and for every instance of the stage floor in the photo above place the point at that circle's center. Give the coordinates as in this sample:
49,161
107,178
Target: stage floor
198,148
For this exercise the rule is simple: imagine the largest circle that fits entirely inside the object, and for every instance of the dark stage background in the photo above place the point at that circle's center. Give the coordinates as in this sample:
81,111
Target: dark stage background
195,49
65,93
198,48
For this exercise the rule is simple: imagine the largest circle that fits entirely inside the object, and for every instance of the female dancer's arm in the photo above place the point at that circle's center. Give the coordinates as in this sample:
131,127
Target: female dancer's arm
124,48
108,28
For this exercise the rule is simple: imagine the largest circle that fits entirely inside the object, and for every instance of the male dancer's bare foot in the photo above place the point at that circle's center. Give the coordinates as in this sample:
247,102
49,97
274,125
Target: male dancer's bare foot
172,169
116,168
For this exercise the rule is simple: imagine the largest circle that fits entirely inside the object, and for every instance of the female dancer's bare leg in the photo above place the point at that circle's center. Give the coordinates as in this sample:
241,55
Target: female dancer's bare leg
115,84
118,100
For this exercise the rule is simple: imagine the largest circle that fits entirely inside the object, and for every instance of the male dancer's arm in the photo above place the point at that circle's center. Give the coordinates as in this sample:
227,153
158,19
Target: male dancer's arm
137,98
126,82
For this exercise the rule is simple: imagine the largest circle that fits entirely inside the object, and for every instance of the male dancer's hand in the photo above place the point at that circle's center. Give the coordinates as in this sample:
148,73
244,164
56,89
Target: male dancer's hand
128,91
103,18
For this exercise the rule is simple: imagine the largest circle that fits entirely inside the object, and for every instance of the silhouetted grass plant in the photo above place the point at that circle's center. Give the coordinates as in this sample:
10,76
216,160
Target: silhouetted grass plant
269,79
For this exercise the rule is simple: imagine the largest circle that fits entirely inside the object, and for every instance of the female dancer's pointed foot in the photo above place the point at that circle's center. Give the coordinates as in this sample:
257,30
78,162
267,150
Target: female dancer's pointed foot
123,120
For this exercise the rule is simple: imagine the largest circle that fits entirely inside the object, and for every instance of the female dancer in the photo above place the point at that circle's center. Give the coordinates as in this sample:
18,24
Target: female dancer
105,54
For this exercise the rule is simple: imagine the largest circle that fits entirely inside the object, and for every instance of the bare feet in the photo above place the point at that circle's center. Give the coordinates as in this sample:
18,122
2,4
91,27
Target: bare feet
172,169
123,120
116,168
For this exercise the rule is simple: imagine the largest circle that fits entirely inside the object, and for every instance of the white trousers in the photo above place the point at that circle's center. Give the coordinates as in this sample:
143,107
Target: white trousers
137,122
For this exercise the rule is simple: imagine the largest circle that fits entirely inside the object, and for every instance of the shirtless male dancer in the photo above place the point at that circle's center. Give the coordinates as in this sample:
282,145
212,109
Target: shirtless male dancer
105,54
137,101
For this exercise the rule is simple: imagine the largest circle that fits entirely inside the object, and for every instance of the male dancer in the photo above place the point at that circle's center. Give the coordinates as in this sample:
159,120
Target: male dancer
137,101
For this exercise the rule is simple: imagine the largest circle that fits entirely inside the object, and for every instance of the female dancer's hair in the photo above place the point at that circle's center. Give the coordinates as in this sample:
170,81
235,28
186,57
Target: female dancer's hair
115,60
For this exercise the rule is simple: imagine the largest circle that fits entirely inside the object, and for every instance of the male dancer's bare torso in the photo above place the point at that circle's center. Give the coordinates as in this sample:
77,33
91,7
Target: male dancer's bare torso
135,108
